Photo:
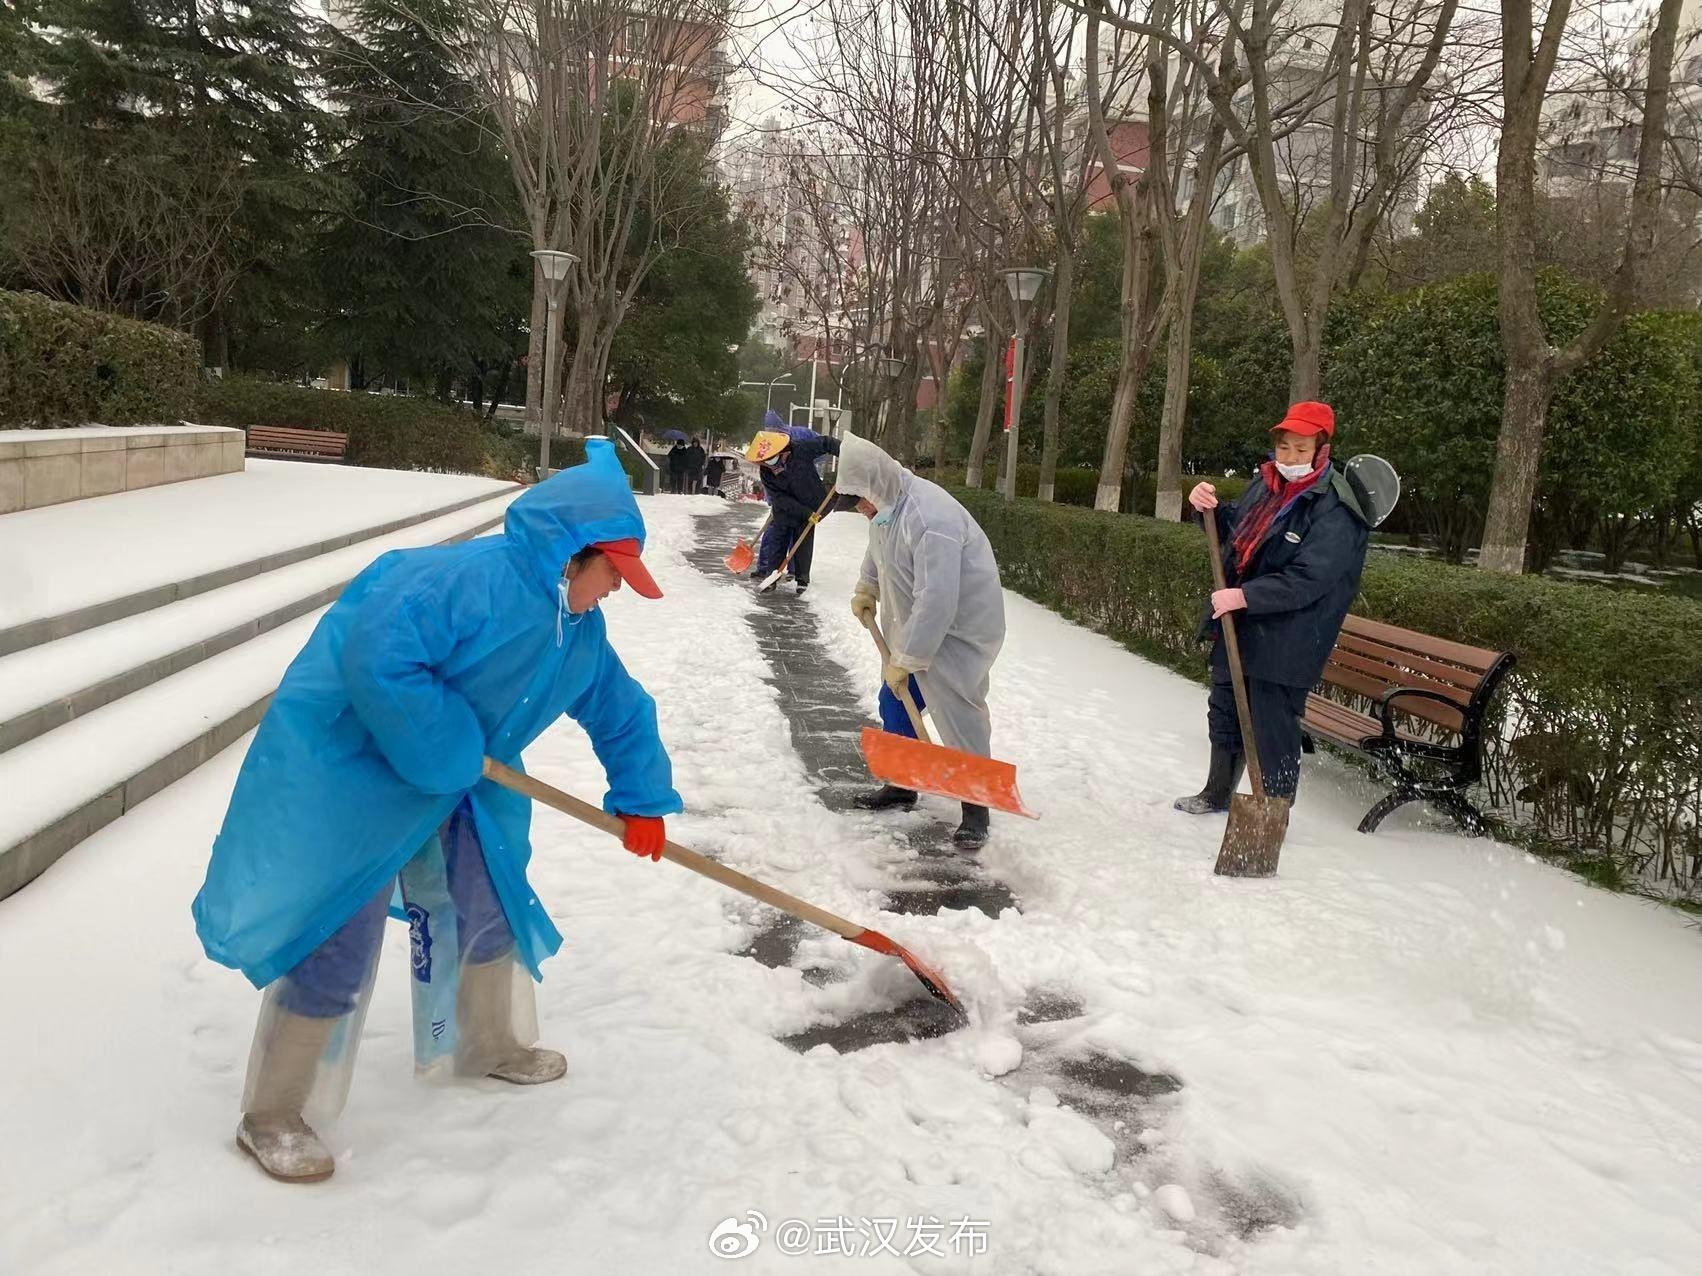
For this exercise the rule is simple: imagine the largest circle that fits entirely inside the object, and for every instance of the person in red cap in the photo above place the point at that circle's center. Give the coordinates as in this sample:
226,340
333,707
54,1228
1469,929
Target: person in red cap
363,795
1294,547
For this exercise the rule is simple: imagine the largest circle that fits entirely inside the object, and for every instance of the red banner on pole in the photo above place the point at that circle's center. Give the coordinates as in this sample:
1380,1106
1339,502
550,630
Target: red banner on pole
1010,379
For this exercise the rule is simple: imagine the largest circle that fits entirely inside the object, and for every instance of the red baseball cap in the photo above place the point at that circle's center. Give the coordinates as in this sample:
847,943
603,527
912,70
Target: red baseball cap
1309,417
624,554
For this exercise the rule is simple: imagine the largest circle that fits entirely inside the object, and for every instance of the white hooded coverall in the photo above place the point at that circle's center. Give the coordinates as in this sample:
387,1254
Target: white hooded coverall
941,604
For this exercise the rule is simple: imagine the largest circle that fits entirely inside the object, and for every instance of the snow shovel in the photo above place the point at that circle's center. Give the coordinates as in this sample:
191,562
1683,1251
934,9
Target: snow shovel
567,804
744,553
1257,821
774,576
932,768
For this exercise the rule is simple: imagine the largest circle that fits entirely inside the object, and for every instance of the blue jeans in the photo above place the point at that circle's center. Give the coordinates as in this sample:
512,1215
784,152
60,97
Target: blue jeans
328,982
893,717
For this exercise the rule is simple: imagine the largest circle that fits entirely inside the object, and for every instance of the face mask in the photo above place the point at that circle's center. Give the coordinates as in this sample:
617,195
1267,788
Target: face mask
1294,473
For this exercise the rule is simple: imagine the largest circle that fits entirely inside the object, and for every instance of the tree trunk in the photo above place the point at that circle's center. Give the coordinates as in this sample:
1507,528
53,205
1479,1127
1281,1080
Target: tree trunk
901,414
1178,369
940,431
1308,346
992,379
1063,292
535,350
1518,452
1137,355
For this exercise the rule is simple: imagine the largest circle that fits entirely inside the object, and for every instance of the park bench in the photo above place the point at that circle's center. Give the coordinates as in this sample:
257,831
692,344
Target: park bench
1428,696
297,445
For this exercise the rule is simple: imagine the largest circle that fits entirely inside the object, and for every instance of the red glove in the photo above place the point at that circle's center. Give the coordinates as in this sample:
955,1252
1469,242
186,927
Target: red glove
645,835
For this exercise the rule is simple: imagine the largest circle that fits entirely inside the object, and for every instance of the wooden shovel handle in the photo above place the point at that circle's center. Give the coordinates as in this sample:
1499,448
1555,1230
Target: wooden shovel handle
1232,648
821,512
613,825
903,692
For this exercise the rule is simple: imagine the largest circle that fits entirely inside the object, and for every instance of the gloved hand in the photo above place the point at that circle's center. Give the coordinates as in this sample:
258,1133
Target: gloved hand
898,678
645,835
1224,601
863,602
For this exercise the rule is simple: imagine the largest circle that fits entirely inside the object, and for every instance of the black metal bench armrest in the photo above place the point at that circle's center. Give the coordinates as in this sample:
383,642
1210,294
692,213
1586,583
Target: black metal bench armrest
1385,709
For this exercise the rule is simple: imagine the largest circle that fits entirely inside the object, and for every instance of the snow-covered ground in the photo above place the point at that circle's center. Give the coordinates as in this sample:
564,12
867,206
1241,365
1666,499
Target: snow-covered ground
1424,1053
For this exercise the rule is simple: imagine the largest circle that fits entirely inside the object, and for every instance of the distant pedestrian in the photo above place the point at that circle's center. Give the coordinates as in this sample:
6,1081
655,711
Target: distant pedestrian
794,489
678,462
696,457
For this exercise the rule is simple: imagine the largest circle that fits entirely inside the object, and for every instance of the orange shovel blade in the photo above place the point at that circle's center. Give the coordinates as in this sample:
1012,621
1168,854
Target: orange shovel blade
740,560
933,768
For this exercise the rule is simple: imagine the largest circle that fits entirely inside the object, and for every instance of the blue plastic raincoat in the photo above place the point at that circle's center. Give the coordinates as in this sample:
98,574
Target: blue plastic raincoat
429,660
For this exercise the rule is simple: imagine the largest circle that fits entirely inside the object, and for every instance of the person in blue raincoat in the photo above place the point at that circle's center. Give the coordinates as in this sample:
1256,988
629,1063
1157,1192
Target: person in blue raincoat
367,767
794,489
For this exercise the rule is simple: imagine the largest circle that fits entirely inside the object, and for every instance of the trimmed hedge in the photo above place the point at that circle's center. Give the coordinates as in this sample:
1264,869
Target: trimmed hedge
1079,485
64,365
392,432
1594,751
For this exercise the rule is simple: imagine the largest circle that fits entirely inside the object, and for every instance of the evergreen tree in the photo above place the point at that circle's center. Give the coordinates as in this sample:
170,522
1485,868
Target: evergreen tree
183,135
421,277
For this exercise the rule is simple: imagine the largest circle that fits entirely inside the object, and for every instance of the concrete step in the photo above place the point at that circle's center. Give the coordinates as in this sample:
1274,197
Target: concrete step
45,686
199,686
148,534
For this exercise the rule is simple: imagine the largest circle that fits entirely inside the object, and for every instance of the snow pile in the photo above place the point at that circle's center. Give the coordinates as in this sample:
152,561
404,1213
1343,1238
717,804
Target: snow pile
1387,1058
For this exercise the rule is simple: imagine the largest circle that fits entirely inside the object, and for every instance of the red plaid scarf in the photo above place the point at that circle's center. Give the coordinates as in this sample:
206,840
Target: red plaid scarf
1275,499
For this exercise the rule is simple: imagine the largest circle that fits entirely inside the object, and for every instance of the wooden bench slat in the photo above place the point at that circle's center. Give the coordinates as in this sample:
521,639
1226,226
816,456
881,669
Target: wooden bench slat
301,436
1453,676
1374,688
1336,721
1396,677
1477,658
290,440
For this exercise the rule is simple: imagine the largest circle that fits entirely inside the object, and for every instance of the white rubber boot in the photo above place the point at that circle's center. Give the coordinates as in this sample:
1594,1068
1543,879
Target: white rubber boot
272,1130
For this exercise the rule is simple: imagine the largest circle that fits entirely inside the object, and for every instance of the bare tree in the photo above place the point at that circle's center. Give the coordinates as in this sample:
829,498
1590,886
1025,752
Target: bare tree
594,101
1535,367
1145,303
140,233
1184,230
899,116
1325,128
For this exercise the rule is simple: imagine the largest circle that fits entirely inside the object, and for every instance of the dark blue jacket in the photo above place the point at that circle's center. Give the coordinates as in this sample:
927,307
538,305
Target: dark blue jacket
1299,585
793,486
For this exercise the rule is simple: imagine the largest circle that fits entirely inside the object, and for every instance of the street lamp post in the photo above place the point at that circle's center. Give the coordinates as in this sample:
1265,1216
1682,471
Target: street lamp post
1024,283
893,368
555,265
768,399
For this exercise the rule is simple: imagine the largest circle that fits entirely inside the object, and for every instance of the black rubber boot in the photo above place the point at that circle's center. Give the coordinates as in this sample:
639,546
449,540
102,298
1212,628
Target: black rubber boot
1225,774
888,797
971,835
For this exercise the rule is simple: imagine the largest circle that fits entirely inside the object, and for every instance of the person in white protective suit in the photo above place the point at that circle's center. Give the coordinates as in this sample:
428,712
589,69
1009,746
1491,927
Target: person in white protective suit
942,610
